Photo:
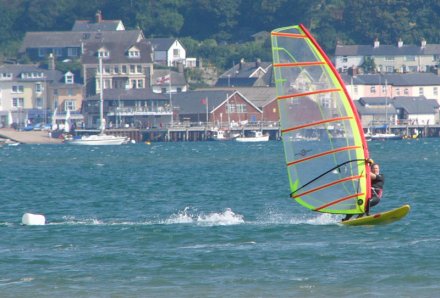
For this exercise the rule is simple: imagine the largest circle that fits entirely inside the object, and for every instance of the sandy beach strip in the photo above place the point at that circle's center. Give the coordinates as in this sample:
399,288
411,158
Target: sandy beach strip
28,137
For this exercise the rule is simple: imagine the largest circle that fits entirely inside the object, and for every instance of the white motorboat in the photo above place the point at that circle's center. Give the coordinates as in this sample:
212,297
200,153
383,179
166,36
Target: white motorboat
256,136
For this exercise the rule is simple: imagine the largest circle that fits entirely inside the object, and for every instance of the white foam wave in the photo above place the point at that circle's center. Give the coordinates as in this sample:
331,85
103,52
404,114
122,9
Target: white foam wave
227,217
277,218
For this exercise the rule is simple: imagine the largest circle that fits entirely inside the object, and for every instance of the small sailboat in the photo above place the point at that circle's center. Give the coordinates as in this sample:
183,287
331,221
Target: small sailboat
101,138
329,174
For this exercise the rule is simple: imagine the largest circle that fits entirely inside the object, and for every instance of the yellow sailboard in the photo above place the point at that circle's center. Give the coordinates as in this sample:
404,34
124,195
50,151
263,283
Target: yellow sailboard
380,218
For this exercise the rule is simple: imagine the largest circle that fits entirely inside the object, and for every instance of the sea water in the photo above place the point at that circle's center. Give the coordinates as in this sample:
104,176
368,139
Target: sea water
207,219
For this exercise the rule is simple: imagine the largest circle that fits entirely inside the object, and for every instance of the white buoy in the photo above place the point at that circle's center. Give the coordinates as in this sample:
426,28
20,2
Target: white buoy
30,219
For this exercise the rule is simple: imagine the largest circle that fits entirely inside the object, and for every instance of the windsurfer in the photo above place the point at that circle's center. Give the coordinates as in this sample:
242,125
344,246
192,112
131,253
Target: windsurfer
377,182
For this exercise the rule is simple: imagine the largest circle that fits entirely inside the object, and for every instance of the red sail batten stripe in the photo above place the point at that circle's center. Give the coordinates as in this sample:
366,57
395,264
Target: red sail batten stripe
296,64
294,35
327,185
322,154
315,123
340,200
308,93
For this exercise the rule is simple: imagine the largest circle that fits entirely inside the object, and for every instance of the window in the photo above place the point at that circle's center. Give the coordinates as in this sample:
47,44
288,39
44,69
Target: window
5,75
41,52
389,58
355,89
69,79
176,52
39,102
133,84
398,91
389,69
421,91
18,102
124,68
406,91
344,59
132,68
58,52
38,87
373,89
104,54
139,68
69,92
133,54
140,84
435,90
116,69
410,58
384,89
72,52
164,90
17,89
70,105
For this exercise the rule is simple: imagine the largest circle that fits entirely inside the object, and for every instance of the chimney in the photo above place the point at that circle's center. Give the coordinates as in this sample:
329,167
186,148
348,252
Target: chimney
423,43
241,64
376,43
98,16
51,62
400,43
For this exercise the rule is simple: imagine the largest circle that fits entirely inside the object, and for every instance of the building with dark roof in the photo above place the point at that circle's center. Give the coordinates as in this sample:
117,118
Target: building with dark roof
99,24
139,108
30,93
247,74
223,108
382,111
389,58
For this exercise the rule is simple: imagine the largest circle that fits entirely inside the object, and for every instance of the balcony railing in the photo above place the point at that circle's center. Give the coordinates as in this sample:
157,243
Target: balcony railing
138,111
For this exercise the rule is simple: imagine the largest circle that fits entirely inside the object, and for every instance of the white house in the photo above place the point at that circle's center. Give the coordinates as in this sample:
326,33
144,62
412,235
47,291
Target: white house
170,52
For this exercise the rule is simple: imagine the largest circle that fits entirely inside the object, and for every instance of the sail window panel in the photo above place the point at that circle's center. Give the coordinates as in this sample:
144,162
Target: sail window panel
305,179
334,193
304,80
294,50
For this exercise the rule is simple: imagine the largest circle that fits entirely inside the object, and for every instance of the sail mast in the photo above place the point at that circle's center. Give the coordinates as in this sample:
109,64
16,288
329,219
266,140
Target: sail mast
101,98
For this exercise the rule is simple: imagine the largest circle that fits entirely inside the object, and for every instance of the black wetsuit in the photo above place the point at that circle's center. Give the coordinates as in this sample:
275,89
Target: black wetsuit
376,194
376,191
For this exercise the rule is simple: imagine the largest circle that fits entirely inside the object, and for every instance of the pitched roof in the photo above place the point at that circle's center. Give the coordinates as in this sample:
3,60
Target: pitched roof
416,105
257,74
191,102
118,52
18,69
162,44
386,50
103,25
395,79
63,39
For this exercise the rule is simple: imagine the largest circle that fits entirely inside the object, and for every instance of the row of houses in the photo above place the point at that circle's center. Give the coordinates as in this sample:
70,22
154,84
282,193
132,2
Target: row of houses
140,90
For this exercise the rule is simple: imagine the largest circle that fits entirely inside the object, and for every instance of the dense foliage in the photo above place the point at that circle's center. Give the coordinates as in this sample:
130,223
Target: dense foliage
221,31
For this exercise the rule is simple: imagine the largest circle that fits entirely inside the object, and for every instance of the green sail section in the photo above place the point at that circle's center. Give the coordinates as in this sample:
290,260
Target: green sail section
324,145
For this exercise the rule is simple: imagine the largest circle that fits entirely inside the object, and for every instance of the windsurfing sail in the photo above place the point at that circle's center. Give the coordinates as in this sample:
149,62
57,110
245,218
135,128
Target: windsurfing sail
323,139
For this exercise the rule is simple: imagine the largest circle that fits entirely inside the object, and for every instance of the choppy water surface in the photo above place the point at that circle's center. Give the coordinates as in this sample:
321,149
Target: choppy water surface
207,220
